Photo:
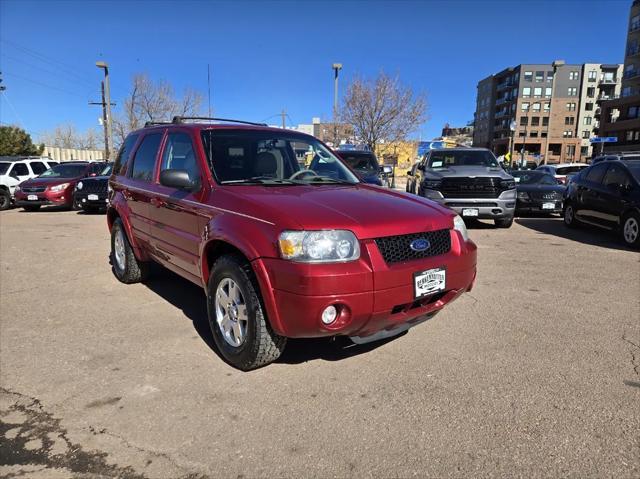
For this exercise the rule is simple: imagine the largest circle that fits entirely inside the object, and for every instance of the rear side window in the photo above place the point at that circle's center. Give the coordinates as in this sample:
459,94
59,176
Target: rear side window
567,170
38,167
145,158
122,160
20,169
596,172
616,176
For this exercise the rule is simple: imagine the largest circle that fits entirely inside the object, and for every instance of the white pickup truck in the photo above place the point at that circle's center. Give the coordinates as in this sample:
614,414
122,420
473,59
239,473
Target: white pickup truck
15,170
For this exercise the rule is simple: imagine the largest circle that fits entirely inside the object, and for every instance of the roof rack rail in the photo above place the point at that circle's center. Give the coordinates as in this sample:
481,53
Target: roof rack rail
181,119
154,123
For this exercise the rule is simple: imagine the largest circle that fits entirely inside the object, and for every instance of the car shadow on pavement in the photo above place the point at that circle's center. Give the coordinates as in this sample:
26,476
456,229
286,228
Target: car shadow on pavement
191,300
585,234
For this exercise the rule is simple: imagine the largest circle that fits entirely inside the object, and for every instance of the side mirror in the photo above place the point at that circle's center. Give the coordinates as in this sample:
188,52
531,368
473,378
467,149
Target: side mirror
175,178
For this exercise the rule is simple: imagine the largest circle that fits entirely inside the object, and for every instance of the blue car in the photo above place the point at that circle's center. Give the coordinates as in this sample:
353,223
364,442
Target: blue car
366,165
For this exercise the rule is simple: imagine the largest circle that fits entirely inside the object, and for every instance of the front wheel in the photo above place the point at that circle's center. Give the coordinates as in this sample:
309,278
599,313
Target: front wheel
125,265
504,222
240,330
5,200
569,216
631,230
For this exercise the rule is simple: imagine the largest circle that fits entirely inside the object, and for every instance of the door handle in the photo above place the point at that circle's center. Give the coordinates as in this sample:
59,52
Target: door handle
158,203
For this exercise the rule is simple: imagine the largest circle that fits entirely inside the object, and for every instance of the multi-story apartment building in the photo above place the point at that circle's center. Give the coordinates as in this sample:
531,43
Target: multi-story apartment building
531,110
599,83
621,117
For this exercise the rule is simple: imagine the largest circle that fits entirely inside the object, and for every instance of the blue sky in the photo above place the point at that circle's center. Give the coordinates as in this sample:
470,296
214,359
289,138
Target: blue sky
266,56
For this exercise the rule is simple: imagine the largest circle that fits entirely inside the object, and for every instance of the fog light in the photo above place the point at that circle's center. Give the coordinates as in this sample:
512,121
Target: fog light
329,314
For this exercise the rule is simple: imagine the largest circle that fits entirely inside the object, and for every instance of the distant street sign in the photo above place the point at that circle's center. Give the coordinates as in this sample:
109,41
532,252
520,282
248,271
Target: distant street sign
604,139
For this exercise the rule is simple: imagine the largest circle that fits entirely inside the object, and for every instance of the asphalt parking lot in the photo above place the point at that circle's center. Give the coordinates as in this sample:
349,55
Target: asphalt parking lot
534,373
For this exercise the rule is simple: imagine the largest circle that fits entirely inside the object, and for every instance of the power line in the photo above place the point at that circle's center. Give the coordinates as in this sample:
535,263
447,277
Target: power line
44,84
41,69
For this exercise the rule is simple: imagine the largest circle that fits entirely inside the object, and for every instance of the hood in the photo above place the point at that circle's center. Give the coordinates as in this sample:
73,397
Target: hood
466,171
529,188
368,211
98,179
48,181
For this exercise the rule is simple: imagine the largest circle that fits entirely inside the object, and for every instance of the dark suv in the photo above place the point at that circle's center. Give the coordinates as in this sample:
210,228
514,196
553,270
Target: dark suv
607,195
366,165
280,251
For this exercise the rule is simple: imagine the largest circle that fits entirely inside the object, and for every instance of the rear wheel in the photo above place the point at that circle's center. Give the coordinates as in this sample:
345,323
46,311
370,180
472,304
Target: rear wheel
240,329
31,208
125,265
569,215
504,222
631,230
5,200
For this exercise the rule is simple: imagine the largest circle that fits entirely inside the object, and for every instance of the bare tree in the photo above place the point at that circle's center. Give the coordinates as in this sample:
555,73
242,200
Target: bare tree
382,109
152,101
67,136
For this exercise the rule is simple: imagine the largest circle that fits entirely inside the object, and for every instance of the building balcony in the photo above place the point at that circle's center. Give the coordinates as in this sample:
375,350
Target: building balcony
608,97
608,81
505,84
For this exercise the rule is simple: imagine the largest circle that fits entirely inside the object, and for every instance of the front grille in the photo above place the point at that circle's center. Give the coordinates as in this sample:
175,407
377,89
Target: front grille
486,187
397,248
96,187
476,204
33,189
551,196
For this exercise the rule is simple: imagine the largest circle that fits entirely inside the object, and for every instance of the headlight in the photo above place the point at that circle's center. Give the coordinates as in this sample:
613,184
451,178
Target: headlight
508,184
17,188
57,188
432,184
432,194
459,226
79,185
523,195
326,246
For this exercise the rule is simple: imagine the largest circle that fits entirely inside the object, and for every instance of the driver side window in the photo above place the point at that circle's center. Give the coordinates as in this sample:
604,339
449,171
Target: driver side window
180,155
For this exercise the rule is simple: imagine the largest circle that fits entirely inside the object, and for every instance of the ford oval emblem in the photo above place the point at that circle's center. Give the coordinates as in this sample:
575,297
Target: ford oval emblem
420,244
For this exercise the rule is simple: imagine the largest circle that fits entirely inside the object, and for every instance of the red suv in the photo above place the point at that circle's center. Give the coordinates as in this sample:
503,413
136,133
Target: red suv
55,186
281,251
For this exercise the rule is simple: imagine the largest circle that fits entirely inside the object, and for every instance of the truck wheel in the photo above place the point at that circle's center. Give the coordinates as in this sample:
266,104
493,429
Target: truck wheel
241,332
504,222
5,200
631,230
31,208
125,265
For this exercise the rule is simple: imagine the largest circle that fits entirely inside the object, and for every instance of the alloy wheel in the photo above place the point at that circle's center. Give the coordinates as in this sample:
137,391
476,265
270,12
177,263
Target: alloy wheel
119,250
568,214
231,312
631,230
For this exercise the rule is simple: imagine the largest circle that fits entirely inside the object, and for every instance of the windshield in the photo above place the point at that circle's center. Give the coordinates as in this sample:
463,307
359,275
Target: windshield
65,171
360,161
634,168
4,167
445,159
524,177
107,170
271,158
567,170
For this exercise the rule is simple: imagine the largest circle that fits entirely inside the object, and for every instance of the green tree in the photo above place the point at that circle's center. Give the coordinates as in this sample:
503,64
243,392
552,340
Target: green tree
15,141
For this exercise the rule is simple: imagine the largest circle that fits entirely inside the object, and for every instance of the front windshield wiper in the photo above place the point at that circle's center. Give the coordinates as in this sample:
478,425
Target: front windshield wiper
259,180
318,180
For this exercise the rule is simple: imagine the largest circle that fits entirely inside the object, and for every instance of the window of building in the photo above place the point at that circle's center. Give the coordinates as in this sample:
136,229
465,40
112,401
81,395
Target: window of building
526,92
584,150
549,77
569,120
571,151
536,107
144,160
522,134
547,92
547,106
573,75
535,121
539,77
633,112
533,134
587,120
528,76
537,92
591,92
524,121
525,106
608,77
545,121
571,106
567,134
626,91
588,106
543,134
572,91
585,134
633,135
635,23
592,75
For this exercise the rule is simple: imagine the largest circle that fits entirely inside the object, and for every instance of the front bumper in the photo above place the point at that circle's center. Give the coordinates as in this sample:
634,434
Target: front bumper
488,208
535,206
371,295
94,200
45,198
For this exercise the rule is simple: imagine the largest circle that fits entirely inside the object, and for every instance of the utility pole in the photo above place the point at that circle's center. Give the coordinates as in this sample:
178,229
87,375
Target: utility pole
107,102
336,68
283,114
103,103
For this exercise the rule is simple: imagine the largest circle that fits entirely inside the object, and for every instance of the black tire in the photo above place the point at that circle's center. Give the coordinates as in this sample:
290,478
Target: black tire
31,208
5,200
503,222
261,345
76,205
630,229
569,216
132,270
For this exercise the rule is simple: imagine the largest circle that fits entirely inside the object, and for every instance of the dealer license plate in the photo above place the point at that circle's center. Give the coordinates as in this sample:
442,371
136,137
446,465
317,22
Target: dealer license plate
92,197
470,212
429,281
548,206
32,197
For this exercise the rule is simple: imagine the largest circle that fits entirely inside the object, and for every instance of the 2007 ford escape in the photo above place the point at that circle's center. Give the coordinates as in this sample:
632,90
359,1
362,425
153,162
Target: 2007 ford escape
281,251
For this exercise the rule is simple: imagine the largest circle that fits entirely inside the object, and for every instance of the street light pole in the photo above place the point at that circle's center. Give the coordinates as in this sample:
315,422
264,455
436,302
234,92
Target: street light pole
107,100
336,68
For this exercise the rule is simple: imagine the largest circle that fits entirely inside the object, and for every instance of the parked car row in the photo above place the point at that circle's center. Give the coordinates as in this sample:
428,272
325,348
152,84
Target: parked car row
14,171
